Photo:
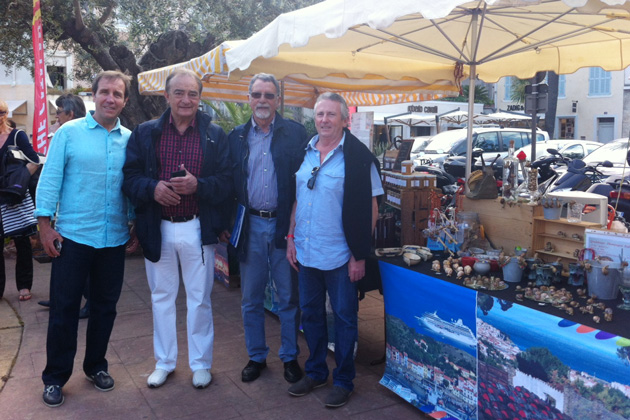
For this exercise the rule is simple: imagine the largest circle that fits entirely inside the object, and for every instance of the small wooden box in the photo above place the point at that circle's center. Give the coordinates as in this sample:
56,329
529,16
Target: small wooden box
506,226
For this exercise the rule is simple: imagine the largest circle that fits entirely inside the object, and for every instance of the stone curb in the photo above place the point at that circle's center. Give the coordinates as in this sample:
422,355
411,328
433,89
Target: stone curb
11,328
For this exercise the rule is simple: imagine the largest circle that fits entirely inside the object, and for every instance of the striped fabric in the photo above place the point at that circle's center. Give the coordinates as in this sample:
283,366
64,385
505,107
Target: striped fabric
17,218
299,90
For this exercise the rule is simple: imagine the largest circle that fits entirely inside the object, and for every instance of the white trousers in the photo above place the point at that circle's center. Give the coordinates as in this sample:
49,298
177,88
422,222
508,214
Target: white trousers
181,246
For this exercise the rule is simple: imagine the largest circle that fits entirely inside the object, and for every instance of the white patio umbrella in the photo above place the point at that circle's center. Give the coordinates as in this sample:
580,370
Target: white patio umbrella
441,40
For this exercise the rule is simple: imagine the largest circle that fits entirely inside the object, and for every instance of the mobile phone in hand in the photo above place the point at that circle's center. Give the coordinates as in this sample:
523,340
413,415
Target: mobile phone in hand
57,245
179,173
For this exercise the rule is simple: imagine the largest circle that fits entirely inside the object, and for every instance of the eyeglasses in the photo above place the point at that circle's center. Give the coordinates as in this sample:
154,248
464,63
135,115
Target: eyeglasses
3,112
59,112
311,182
258,95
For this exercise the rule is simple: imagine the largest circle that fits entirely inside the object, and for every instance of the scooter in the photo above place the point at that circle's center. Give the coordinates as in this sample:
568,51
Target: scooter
577,177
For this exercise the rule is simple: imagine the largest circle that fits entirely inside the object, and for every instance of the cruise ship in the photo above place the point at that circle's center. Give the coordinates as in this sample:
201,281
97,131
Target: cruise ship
455,330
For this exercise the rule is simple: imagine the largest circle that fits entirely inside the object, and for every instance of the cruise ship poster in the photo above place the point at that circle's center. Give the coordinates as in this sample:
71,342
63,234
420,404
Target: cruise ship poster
431,343
420,302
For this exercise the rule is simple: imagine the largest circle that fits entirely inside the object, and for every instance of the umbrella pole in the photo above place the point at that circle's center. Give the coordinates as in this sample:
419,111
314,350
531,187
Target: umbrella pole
471,96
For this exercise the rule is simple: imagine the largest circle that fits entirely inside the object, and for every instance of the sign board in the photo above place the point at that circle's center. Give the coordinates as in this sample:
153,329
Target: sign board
404,153
363,126
614,245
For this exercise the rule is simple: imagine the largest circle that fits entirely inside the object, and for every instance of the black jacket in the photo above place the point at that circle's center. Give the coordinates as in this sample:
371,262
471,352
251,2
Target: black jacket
142,170
287,149
357,196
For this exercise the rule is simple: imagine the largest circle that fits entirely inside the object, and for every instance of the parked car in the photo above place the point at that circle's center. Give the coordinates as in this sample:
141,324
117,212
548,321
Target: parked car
450,151
569,148
419,145
616,152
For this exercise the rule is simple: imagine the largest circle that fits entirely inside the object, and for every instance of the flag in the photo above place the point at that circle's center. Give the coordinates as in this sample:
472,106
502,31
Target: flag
40,119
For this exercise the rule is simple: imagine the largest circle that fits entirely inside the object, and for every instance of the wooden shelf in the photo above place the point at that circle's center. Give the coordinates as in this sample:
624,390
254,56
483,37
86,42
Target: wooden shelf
556,236
546,231
555,254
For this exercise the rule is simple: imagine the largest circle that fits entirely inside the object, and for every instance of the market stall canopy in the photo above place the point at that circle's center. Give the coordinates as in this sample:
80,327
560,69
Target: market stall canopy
503,117
299,90
16,108
410,119
442,40
428,39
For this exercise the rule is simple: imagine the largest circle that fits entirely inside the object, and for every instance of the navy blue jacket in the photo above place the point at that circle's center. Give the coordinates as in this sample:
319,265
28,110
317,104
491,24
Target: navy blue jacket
287,150
142,170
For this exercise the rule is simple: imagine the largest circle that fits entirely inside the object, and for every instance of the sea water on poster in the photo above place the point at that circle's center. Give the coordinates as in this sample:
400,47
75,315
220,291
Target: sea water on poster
527,364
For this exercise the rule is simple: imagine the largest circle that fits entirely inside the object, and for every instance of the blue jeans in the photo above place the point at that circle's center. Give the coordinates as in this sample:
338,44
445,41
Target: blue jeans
345,305
263,259
69,273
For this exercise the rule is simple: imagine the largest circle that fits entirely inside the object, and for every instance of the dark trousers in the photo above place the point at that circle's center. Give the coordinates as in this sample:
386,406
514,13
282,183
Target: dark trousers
105,268
23,264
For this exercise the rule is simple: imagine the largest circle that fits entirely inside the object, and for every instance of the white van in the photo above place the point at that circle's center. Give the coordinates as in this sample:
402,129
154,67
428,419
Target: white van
493,141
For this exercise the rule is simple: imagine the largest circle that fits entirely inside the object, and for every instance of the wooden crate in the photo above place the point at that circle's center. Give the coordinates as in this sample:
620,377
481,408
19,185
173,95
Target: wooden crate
414,215
506,226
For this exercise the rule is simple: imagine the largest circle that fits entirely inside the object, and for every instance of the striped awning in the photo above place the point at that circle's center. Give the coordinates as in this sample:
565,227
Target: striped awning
299,90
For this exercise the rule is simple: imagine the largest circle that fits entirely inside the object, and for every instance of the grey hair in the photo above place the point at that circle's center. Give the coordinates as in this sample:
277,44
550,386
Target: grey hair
71,103
335,97
265,77
181,71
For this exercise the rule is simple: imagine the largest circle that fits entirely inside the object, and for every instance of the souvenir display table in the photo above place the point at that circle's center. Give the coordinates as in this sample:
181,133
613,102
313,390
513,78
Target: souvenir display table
460,353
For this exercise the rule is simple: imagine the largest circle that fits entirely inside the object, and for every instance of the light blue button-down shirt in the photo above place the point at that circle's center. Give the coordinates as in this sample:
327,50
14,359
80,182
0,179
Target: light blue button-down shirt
81,182
320,241
262,186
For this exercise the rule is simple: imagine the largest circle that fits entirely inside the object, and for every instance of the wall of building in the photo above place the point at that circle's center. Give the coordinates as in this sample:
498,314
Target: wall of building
16,84
589,108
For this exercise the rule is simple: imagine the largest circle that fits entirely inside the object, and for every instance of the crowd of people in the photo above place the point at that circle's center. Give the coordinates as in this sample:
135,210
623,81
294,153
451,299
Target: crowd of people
297,210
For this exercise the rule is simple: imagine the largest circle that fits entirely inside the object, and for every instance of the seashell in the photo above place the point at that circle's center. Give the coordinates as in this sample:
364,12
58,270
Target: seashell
589,309
388,252
605,270
468,269
519,296
608,316
596,319
608,310
574,304
460,274
569,311
456,266
448,271
583,309
411,259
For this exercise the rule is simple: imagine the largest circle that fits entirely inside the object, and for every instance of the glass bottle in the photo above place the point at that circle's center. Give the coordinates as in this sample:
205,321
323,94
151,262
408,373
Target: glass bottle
510,174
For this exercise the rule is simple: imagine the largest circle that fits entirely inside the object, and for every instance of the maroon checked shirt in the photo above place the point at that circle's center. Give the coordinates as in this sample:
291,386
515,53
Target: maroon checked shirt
175,149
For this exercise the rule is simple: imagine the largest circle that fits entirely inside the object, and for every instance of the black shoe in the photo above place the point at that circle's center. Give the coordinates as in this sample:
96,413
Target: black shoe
84,312
53,397
292,371
252,370
304,386
102,381
45,303
337,397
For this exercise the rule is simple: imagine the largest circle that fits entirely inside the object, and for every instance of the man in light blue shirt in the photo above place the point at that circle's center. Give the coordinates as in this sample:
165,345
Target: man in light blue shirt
329,240
81,183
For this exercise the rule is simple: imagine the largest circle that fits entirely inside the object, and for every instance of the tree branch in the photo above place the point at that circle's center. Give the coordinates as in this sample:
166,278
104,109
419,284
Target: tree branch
107,13
78,18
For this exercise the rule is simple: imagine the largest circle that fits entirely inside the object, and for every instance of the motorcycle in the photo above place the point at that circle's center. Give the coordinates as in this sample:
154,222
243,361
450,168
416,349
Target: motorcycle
617,189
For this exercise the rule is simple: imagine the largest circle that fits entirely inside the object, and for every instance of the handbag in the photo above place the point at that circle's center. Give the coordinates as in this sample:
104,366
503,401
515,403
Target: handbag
14,176
18,219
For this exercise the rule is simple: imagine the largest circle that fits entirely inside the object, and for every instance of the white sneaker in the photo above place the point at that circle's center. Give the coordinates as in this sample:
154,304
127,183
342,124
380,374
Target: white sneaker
157,378
201,378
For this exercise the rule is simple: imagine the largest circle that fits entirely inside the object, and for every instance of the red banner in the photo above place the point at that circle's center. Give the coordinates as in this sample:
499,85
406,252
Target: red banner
40,119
